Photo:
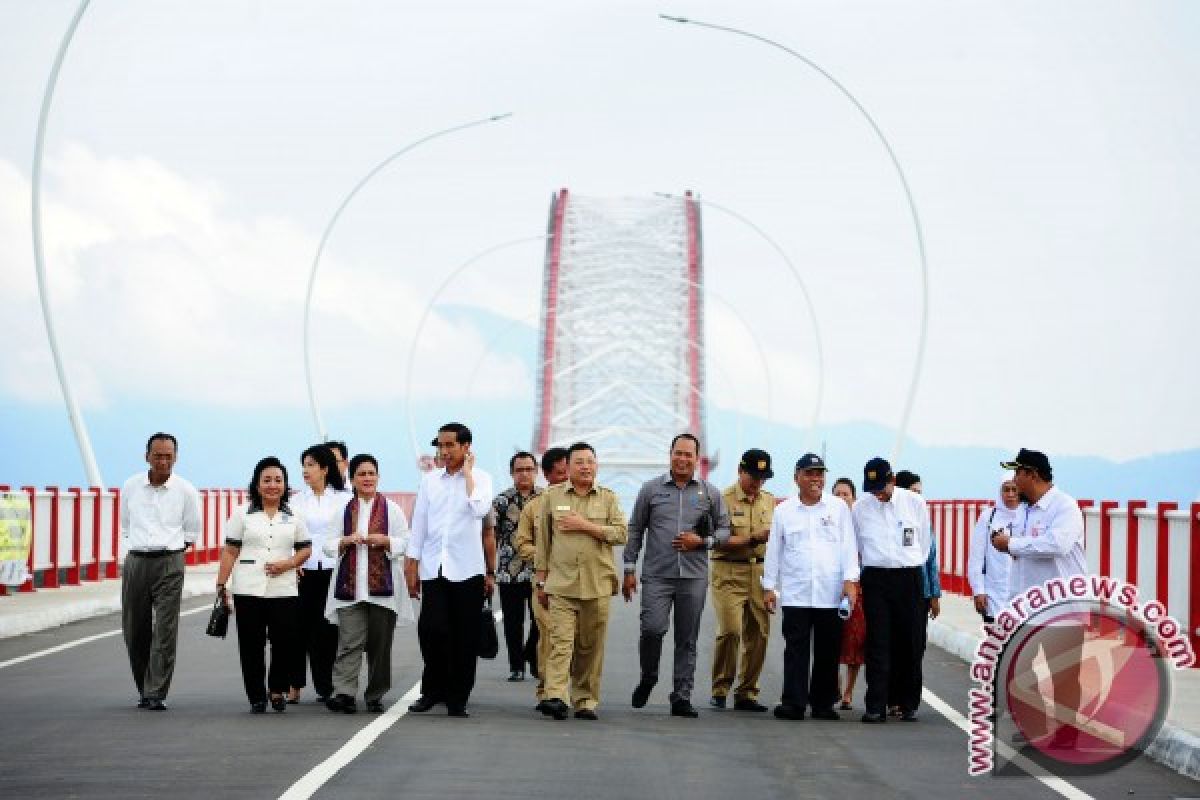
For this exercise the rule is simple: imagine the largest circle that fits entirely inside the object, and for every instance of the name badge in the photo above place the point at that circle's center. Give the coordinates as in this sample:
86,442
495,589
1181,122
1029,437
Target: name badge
909,536
562,508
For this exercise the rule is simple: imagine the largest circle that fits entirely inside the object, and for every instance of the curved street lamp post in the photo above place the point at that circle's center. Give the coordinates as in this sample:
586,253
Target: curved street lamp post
912,206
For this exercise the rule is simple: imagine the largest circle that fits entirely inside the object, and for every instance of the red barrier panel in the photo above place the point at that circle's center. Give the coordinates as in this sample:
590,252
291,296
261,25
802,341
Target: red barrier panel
73,576
111,571
1106,537
1194,580
1132,530
93,569
1163,552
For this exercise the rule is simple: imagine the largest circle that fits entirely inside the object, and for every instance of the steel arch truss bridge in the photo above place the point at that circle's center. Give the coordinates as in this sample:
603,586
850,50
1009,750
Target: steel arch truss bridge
622,350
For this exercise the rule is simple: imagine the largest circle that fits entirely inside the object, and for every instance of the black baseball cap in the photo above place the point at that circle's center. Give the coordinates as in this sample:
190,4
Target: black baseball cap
757,463
810,461
876,474
1030,459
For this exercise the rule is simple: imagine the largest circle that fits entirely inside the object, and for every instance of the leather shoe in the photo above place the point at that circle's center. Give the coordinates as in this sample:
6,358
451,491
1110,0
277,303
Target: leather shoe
747,704
908,716
156,705
258,708
873,719
785,711
422,704
683,708
278,702
375,706
717,701
343,703
826,713
516,675
642,693
555,708
457,711
144,702
585,713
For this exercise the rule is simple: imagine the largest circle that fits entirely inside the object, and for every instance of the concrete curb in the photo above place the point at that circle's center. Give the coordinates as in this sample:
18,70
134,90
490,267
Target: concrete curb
1174,747
88,604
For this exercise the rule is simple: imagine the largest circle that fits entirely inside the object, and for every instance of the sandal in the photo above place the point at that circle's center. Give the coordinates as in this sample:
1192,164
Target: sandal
293,697
278,702
845,706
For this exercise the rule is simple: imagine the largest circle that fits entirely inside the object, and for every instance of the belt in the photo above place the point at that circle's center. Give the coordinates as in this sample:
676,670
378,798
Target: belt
751,560
155,553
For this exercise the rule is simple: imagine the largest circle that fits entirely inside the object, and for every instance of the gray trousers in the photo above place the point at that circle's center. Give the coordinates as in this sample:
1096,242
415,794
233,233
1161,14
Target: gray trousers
151,591
658,595
364,627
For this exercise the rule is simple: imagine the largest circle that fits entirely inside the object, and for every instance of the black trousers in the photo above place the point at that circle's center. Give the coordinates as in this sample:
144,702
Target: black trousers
257,619
821,628
318,636
515,598
894,607
448,632
894,688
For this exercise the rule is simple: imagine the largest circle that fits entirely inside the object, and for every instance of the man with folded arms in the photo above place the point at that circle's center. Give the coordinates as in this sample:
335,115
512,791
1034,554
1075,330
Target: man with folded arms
581,523
159,518
811,565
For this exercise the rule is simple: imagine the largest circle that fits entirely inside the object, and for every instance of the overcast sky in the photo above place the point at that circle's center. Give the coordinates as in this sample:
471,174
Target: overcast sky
196,151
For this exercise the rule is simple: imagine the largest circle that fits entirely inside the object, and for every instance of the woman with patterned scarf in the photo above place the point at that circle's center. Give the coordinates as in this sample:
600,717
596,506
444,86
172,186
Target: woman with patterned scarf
367,593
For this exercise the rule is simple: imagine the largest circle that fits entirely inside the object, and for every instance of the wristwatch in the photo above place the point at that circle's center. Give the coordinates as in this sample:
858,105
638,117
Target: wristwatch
710,542
541,585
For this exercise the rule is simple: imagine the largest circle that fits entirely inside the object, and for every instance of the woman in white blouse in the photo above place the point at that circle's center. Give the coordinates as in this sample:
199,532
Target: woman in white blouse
264,544
367,594
321,504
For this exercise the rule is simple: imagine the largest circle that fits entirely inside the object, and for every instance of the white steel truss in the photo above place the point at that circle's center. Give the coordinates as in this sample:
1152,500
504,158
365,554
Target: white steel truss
622,332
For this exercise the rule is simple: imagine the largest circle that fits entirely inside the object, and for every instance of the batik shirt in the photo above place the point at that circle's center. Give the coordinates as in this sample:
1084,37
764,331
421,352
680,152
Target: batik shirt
507,506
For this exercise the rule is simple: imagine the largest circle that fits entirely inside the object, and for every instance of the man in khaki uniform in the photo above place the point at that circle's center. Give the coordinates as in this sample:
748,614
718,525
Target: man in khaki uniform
580,524
554,470
737,570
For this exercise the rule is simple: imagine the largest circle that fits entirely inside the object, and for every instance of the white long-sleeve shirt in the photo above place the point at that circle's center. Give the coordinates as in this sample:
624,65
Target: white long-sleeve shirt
447,525
323,516
1047,541
810,552
987,568
398,534
895,533
163,517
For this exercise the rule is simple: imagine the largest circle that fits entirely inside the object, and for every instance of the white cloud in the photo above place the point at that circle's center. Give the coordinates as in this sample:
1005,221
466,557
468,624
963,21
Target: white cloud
159,293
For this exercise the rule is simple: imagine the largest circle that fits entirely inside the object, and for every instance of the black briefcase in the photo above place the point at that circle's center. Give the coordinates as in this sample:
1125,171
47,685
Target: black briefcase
489,643
218,620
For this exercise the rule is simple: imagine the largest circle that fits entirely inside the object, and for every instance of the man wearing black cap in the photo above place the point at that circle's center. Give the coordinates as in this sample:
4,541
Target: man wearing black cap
737,592
810,569
892,526
1047,543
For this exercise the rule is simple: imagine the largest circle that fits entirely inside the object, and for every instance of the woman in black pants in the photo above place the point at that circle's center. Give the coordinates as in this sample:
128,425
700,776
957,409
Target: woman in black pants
264,545
320,504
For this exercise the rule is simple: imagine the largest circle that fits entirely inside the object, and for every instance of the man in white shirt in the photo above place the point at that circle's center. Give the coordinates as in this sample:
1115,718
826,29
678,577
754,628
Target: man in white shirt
893,530
811,565
1047,542
452,563
159,518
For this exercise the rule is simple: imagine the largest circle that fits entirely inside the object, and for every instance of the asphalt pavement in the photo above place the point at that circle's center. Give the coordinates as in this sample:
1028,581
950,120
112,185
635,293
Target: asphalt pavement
69,728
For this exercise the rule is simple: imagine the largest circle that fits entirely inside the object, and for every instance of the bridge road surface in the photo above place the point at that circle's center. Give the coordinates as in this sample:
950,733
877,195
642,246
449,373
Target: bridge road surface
68,728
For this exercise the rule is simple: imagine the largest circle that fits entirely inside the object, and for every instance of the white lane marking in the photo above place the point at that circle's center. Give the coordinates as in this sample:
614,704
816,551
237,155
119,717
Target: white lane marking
68,645
1051,781
319,775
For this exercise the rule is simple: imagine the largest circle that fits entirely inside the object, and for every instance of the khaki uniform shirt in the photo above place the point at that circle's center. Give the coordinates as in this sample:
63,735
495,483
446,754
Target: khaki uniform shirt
528,530
746,517
578,565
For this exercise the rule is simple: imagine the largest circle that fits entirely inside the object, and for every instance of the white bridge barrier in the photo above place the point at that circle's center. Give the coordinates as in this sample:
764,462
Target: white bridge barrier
1154,547
77,537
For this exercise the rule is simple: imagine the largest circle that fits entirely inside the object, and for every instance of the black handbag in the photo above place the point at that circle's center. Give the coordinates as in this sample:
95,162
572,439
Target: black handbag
489,643
218,620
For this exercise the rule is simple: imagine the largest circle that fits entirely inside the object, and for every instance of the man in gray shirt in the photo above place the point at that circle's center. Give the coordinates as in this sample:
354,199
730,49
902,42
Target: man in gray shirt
680,518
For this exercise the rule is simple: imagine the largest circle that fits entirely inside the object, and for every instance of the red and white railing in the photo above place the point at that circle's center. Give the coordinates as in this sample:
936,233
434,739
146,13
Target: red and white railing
77,536
1155,547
